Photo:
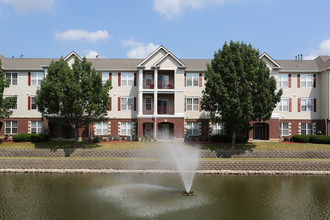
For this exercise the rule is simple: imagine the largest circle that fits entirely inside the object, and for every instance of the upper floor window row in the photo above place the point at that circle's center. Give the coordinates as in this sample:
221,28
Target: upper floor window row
193,79
126,79
303,80
13,78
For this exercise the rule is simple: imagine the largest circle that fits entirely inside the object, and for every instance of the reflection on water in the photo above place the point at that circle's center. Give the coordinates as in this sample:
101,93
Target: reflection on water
94,196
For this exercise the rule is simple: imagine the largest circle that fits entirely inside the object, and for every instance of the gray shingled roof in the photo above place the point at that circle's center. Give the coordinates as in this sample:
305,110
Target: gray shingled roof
317,64
294,65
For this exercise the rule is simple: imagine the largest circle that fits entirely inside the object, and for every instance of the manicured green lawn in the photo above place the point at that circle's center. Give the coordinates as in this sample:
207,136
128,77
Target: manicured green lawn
143,145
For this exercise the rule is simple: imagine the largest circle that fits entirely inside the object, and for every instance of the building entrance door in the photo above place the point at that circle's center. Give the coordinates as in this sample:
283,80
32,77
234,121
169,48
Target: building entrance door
257,132
163,131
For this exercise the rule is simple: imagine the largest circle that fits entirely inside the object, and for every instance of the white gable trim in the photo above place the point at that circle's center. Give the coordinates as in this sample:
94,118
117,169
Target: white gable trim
72,54
167,53
164,57
270,59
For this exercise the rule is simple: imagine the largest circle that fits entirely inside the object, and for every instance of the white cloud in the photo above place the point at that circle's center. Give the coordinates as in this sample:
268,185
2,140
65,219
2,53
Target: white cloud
26,6
76,35
92,54
324,49
139,49
173,8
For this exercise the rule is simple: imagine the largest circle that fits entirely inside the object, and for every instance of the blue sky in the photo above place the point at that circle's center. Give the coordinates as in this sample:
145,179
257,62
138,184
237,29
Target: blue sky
188,28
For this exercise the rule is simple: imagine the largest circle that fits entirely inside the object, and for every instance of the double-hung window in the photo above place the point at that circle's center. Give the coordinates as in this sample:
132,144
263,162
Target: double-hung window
11,127
306,80
307,128
33,102
105,77
148,103
11,101
36,78
192,128
127,79
192,103
37,127
127,103
284,105
218,128
284,80
102,128
126,128
284,128
192,79
307,105
13,78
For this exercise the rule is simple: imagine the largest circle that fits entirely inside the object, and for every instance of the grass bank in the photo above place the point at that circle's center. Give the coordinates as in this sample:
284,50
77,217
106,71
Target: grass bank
150,145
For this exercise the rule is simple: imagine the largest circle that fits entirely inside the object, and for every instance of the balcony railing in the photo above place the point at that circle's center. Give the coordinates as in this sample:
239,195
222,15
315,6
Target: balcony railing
166,84
161,85
165,110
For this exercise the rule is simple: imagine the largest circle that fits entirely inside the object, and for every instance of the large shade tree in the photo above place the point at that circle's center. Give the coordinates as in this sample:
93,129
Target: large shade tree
77,94
239,88
6,103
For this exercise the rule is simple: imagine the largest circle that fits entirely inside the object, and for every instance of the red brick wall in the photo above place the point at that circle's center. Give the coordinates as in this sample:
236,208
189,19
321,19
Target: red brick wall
178,125
22,124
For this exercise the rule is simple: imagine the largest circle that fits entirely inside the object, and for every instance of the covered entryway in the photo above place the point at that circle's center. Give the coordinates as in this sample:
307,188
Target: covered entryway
260,131
148,130
165,131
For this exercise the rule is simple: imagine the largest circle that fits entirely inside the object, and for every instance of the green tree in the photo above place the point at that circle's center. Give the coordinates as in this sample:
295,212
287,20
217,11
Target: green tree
6,103
76,95
239,88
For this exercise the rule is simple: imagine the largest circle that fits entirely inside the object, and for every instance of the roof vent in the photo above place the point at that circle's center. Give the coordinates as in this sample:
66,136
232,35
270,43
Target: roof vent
299,59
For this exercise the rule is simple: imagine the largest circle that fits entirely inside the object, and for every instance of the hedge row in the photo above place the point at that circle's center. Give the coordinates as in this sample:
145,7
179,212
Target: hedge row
30,137
227,139
319,139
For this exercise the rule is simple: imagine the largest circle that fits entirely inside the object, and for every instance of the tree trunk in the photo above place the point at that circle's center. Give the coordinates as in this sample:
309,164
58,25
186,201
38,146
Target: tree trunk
76,136
233,137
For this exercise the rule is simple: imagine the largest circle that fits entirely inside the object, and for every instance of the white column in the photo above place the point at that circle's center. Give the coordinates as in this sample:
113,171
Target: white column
155,90
155,101
140,98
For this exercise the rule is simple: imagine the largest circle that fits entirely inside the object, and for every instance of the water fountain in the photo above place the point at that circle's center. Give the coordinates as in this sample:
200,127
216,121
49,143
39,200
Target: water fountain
186,161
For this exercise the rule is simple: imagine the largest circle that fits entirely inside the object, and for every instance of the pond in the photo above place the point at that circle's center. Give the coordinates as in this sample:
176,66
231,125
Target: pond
157,196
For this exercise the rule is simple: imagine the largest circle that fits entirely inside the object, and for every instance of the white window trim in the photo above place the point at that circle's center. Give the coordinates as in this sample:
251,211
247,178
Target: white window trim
145,101
126,106
281,81
192,76
11,127
33,98
105,77
191,126
218,128
307,100
282,129
125,76
104,126
192,104
36,78
126,131
5,96
306,124
11,78
37,127
303,80
281,105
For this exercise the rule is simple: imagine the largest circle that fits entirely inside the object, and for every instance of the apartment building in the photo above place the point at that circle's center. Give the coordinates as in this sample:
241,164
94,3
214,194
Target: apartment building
160,96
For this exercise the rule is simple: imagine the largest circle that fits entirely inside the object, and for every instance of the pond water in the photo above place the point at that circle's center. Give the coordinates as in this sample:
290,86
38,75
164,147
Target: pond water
156,196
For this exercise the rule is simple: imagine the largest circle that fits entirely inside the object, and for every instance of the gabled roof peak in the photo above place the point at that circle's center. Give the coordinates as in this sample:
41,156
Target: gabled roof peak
73,53
270,59
167,53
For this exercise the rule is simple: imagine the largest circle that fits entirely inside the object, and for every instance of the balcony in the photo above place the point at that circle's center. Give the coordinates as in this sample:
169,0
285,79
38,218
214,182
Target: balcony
168,84
165,110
